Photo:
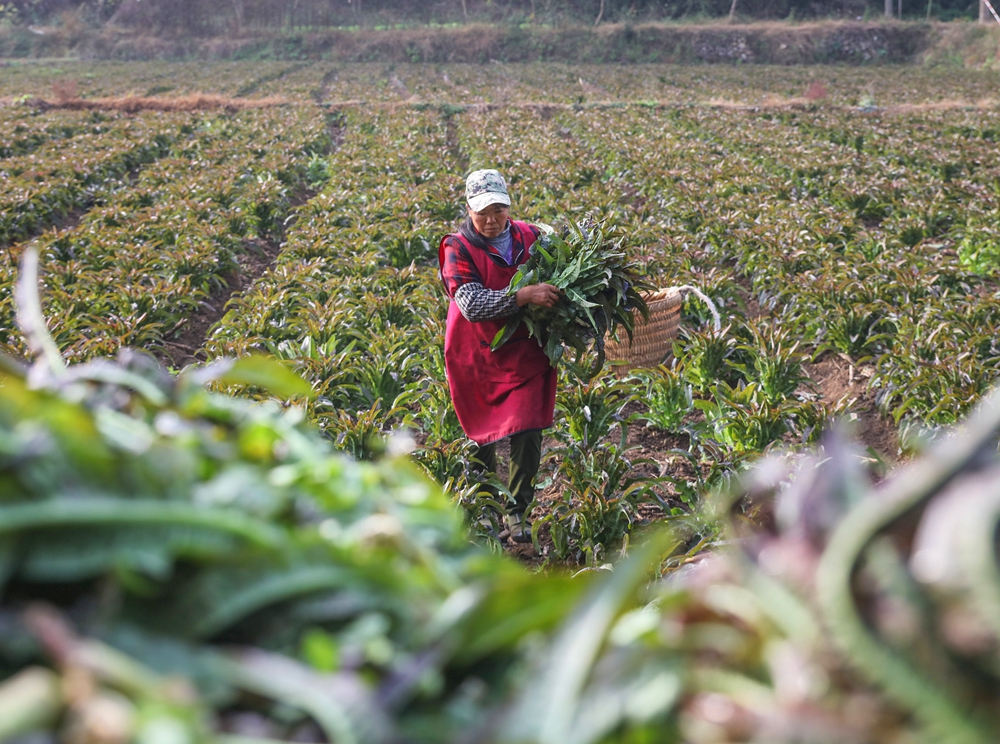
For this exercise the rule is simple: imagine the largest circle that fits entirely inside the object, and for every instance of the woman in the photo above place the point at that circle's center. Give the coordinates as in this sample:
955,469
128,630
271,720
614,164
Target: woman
509,392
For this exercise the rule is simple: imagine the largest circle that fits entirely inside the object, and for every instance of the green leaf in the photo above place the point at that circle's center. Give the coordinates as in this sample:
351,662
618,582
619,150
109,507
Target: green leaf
551,704
267,373
505,334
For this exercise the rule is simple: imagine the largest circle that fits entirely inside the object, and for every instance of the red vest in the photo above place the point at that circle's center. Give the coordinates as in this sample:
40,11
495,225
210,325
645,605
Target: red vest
502,392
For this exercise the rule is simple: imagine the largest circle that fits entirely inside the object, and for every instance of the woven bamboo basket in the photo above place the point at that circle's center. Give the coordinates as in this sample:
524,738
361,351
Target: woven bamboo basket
652,340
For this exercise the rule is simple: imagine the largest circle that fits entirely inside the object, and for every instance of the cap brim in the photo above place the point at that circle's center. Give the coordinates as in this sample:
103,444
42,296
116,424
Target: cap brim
480,202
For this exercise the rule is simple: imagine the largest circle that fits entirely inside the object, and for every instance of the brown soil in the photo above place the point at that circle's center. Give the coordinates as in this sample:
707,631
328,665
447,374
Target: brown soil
187,344
837,379
189,335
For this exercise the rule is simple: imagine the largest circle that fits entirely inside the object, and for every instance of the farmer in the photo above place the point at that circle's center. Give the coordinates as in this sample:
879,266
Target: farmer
509,392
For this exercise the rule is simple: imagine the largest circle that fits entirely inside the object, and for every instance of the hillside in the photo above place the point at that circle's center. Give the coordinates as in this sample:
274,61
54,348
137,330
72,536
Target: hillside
826,42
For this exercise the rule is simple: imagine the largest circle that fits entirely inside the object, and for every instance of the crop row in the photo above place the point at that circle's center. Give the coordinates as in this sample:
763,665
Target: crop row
143,263
61,177
22,137
510,83
354,298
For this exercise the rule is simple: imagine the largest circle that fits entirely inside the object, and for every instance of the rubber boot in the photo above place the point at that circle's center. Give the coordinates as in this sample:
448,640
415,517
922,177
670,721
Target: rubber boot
525,454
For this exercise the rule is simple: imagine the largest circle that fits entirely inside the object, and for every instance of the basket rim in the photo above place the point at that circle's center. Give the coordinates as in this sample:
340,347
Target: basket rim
660,294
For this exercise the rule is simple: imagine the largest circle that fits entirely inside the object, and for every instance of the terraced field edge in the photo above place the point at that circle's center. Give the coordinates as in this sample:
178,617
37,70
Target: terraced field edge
763,43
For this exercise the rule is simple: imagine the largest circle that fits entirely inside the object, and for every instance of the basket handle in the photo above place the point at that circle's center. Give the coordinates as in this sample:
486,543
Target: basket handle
704,298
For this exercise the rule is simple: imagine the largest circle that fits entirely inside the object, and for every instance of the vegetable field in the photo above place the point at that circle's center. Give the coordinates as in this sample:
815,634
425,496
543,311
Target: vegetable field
234,554
845,221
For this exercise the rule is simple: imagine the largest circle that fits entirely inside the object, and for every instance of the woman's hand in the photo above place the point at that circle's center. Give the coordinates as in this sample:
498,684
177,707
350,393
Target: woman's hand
543,295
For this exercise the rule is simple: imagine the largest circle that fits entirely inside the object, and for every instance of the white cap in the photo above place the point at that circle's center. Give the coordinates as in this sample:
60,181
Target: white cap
485,187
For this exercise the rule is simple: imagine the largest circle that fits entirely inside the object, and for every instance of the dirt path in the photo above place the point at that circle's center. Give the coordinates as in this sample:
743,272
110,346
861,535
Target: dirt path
187,344
836,378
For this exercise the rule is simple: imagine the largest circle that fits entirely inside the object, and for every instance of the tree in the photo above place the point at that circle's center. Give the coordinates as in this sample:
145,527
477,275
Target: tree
983,17
888,8
732,11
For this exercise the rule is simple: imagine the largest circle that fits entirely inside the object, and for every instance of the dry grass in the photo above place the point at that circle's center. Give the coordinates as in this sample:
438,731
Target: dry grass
135,104
946,105
770,102
971,45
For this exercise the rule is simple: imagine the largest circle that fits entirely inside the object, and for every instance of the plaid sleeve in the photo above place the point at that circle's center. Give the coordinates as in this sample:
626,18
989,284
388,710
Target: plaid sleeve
457,268
478,303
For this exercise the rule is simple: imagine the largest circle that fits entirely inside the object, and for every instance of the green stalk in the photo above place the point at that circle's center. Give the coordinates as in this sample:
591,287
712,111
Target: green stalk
550,705
284,680
269,591
945,718
106,511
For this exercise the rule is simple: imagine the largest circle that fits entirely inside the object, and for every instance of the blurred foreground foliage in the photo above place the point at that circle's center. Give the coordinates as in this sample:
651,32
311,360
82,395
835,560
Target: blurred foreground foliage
179,565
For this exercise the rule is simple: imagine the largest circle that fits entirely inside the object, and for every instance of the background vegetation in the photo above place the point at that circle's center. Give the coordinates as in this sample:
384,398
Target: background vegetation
202,17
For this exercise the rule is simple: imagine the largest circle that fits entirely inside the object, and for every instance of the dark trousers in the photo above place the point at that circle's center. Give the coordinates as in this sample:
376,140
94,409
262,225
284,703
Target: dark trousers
525,454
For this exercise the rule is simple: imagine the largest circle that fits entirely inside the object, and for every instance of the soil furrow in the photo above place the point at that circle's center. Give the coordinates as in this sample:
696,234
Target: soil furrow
454,147
254,84
320,93
837,378
189,338
187,345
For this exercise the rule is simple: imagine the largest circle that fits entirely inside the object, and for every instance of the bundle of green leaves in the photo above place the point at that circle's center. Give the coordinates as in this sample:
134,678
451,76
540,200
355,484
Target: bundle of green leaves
599,290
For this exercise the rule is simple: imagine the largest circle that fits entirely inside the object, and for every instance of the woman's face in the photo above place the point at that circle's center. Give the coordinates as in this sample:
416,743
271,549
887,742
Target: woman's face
491,221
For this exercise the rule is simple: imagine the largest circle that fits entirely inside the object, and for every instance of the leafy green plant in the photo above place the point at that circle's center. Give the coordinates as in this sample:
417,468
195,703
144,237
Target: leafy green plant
667,398
407,249
747,420
599,288
978,249
317,171
702,358
598,503
857,332
775,362
362,434
591,410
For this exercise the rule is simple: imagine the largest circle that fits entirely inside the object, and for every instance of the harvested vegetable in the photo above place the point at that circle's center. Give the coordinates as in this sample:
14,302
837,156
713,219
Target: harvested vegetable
599,287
